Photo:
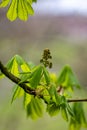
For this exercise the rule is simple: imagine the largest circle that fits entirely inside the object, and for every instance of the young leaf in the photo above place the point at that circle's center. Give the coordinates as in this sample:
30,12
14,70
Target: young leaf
52,90
79,114
53,77
46,75
36,76
14,69
64,113
67,78
53,94
17,93
19,60
35,108
4,3
25,77
38,106
25,67
27,99
29,8
12,11
53,109
46,95
22,11
10,63
70,111
29,1
34,0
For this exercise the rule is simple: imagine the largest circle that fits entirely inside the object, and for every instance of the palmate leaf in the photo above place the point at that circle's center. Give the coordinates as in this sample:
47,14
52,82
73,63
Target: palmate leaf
35,108
67,78
80,118
64,113
18,9
53,109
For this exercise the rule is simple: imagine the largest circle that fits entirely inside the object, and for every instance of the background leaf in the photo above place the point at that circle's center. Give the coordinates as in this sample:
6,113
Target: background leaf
4,3
12,11
22,11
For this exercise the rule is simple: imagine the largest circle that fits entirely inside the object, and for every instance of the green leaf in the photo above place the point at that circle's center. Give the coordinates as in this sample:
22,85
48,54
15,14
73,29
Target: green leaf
79,114
10,63
18,92
36,76
31,65
53,109
18,8
12,11
29,1
34,0
19,60
46,95
22,11
4,3
67,78
52,90
25,67
53,77
54,94
14,69
70,111
25,77
29,8
27,99
64,113
35,108
46,75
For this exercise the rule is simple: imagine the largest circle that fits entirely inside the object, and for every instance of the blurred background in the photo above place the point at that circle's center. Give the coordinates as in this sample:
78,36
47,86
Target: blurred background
59,25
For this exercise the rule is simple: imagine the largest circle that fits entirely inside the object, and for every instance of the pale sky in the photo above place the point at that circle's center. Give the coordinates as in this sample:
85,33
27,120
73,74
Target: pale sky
61,6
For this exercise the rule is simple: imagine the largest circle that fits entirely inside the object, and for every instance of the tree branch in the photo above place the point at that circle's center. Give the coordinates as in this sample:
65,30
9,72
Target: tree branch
26,88
77,100
16,80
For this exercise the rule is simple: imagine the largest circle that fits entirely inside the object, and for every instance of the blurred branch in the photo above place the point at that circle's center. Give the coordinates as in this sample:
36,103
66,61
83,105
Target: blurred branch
26,88
77,100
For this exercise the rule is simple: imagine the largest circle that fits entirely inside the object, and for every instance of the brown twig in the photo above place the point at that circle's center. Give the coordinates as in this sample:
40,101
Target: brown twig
77,100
